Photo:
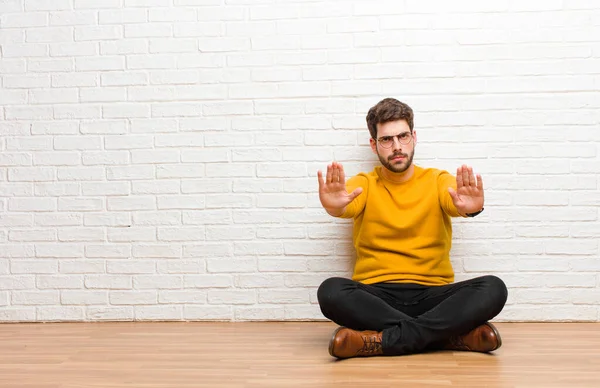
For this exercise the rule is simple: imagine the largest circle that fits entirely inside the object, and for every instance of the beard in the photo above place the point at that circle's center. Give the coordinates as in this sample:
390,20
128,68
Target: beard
397,166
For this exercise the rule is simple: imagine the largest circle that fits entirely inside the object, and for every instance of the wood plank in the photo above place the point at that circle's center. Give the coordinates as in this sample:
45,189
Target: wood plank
280,354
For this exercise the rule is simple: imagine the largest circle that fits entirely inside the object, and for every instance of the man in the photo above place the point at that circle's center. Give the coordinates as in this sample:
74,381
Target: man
401,298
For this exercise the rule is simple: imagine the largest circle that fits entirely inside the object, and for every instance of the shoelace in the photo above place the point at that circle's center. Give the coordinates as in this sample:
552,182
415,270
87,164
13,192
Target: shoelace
370,345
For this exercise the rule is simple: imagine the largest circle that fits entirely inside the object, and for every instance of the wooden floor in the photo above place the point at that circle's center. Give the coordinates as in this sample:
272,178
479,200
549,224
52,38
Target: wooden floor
149,355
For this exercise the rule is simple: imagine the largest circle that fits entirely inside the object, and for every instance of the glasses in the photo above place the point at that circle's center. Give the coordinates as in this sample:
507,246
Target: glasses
388,141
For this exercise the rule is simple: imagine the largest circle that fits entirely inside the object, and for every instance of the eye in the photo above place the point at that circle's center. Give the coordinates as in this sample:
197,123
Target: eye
386,138
404,136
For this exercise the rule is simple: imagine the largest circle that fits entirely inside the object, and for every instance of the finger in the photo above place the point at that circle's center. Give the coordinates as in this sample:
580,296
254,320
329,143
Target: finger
453,195
329,172
459,179
479,182
336,173
320,179
472,178
342,174
465,175
355,193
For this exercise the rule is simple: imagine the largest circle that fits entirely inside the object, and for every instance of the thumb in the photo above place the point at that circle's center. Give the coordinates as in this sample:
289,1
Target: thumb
355,193
453,194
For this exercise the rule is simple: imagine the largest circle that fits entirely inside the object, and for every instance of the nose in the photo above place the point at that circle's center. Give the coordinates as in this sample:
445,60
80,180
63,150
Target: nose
397,145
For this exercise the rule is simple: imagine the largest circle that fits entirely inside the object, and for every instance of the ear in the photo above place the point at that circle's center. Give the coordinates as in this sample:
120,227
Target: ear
414,138
373,145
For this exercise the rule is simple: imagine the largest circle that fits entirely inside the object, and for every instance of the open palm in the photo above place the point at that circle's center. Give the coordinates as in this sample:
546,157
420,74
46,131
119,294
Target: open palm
468,196
332,190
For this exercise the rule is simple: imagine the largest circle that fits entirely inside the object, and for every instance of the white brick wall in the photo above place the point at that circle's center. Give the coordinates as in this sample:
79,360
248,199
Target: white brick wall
158,158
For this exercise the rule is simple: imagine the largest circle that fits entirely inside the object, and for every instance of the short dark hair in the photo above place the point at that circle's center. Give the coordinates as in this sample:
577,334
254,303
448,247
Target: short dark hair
388,109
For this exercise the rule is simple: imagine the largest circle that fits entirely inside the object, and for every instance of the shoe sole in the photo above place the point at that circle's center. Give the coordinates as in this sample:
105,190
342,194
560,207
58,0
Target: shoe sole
497,333
331,341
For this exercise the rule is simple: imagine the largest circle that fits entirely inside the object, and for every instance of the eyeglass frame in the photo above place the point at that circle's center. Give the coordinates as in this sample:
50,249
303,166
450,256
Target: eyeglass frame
410,138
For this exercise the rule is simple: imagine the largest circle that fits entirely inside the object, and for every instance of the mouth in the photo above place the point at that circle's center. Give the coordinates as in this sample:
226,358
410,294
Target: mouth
397,158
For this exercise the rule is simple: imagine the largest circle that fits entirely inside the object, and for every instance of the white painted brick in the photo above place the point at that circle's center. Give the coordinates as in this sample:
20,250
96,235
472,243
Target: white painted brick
231,297
15,159
78,49
122,16
57,189
108,251
80,204
176,109
31,174
100,64
12,36
59,282
257,216
207,281
102,94
157,282
262,313
22,20
128,142
14,97
155,187
110,282
49,34
58,250
131,203
110,313
158,313
80,297
32,235
187,297
72,18
282,264
148,30
58,314
124,267
179,171
98,33
47,5
203,217
32,204
181,266
122,111
258,248
17,314
133,297
207,313
32,298
80,173
58,219
160,251
124,79
26,81
81,267
59,80
130,172
81,234
154,156
54,128
92,4
157,218
113,127
283,296
18,250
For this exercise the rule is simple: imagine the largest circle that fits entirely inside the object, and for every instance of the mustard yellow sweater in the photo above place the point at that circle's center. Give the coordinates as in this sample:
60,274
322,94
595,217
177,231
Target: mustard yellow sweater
402,231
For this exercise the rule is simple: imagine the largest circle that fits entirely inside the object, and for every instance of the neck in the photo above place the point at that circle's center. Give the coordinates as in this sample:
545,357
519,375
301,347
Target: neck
398,177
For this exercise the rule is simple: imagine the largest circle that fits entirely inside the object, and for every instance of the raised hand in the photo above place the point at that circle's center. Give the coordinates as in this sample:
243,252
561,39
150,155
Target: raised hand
468,196
332,190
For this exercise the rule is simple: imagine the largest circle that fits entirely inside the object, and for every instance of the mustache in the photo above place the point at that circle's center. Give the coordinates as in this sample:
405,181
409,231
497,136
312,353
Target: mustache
397,154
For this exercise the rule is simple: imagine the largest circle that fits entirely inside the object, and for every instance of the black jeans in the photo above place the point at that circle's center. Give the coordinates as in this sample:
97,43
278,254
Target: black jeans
413,317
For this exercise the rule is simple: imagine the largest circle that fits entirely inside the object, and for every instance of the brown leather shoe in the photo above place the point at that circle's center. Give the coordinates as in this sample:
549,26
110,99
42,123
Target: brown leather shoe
346,343
484,338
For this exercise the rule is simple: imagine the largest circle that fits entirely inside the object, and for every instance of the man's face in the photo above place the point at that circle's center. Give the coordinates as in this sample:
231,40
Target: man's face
397,157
